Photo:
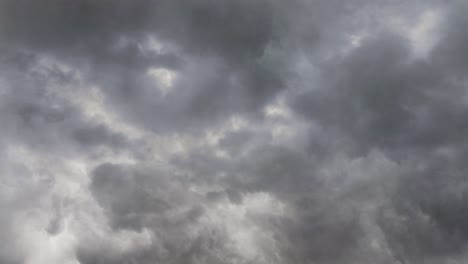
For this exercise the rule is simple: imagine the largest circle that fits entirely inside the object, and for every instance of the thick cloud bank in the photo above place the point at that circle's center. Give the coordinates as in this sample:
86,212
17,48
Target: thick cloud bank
233,132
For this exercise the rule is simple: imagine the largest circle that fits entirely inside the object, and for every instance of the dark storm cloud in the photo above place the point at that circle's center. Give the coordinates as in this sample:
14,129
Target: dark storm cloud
227,131
380,97
449,54
124,194
236,33
31,114
227,28
136,198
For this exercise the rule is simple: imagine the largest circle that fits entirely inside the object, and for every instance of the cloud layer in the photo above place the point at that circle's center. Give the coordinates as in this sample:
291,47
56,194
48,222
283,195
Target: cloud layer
237,132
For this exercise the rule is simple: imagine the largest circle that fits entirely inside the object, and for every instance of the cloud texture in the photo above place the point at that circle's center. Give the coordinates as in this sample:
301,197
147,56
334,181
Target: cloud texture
233,132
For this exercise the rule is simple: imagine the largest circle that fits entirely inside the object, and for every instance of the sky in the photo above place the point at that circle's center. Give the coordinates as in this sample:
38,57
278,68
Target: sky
233,132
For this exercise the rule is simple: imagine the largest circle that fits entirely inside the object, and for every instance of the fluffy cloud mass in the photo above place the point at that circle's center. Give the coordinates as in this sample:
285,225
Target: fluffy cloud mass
233,132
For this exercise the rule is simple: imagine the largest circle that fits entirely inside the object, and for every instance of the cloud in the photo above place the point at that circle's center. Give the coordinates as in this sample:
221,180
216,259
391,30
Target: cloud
264,131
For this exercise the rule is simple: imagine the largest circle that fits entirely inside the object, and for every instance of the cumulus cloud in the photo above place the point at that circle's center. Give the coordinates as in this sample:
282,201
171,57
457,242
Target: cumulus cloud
233,131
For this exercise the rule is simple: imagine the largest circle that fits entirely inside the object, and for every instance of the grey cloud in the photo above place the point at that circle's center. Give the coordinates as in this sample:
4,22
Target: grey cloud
382,98
138,199
232,132
429,202
378,96
449,52
328,199
125,194
36,110
87,34
99,134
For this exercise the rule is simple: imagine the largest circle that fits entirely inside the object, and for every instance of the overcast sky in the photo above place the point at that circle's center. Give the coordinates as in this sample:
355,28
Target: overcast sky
233,132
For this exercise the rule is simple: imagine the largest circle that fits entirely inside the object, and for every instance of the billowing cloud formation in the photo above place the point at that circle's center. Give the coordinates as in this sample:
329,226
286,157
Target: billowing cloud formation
233,131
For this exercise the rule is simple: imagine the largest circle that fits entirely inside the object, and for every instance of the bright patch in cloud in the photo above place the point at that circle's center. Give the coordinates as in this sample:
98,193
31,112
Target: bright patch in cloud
164,78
